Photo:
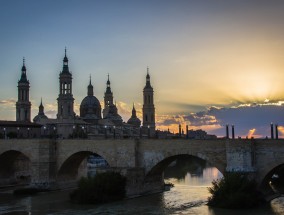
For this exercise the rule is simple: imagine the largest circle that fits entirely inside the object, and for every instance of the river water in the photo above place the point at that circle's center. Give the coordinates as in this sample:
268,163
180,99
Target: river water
188,196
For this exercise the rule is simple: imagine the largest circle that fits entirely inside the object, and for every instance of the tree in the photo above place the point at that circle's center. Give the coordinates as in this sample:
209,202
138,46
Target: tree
104,187
234,191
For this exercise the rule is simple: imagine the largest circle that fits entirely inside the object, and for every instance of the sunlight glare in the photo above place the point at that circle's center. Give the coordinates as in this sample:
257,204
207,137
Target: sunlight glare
251,132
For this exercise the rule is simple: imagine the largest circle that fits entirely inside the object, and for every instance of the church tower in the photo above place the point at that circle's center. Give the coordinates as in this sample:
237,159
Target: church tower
65,98
40,116
108,98
23,105
148,105
134,120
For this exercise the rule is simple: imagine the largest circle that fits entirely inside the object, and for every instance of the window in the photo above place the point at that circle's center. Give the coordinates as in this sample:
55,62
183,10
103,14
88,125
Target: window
65,88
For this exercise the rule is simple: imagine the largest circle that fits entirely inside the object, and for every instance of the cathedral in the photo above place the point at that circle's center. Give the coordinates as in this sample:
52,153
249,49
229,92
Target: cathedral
93,121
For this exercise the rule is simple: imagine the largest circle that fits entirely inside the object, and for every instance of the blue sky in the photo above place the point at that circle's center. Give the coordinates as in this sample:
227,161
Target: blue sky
200,53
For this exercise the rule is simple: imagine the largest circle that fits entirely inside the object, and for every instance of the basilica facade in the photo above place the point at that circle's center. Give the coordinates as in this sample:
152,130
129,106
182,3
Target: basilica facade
93,120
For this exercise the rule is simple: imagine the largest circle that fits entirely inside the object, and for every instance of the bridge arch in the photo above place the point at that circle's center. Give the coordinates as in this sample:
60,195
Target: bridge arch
15,167
159,167
265,185
206,151
69,168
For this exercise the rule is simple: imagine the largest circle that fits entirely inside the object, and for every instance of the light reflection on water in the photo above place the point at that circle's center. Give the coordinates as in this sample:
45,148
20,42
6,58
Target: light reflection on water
189,196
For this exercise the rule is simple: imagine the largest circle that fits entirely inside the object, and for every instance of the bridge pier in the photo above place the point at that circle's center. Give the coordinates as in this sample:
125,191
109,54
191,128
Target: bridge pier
240,156
137,184
43,166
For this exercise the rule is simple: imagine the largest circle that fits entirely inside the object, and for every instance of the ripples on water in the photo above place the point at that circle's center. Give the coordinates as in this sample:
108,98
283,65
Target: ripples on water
189,196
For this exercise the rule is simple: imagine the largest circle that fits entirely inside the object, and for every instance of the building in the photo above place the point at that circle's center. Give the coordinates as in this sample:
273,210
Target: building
92,122
19,129
148,107
23,105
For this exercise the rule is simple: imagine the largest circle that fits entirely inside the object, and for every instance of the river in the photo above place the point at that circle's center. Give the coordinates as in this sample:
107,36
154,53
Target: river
188,196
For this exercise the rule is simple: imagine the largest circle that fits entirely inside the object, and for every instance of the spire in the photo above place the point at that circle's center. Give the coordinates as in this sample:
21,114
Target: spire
90,88
24,66
148,84
108,89
108,82
41,102
41,108
65,63
24,73
65,57
133,112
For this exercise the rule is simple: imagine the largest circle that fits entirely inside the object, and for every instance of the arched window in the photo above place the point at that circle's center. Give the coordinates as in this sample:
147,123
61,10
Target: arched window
65,88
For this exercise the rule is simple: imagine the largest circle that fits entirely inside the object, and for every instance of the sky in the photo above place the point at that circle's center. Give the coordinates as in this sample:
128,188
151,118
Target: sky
211,62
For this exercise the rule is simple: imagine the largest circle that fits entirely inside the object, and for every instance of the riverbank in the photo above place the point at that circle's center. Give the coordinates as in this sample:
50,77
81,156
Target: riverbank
188,196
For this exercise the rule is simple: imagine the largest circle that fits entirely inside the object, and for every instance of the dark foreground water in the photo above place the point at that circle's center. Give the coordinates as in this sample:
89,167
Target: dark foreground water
189,196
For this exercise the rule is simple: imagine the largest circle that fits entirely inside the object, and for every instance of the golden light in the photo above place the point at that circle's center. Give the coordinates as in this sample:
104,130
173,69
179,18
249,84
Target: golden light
251,132
281,129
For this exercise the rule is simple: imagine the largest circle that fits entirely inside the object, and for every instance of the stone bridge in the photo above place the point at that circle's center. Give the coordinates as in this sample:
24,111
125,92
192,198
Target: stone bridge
54,164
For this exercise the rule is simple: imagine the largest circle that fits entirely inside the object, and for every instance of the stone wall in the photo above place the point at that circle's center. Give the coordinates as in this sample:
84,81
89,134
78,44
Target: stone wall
240,155
144,159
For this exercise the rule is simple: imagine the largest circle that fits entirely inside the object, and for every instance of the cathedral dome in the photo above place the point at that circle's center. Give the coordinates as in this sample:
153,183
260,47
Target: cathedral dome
90,101
41,116
38,118
134,120
90,108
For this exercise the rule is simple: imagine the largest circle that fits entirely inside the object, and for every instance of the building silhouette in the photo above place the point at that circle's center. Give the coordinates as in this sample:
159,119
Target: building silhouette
92,121
148,106
65,100
23,105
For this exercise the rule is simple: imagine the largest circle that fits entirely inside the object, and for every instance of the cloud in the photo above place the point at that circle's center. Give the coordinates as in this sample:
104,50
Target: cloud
249,119
195,121
201,118
50,110
125,110
8,102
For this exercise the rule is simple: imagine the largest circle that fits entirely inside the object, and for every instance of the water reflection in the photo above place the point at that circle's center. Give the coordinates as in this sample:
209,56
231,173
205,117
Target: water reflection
191,171
188,196
277,205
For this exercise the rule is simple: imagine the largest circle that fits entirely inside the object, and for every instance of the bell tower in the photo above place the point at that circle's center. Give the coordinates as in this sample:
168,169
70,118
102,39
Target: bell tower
23,105
148,105
108,98
65,98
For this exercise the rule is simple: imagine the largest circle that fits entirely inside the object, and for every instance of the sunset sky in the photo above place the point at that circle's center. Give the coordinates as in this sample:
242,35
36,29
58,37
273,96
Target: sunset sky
211,62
